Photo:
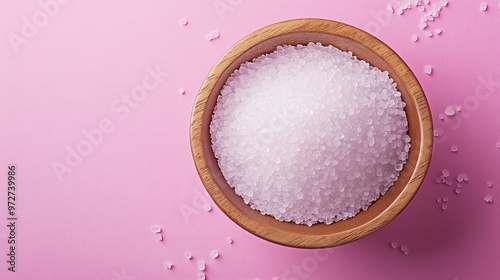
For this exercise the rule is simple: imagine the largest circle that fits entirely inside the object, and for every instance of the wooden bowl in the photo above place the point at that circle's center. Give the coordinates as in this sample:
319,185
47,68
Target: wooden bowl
362,45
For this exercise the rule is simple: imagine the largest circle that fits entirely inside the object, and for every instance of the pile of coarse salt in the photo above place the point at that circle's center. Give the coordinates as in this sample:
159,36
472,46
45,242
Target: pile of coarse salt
310,134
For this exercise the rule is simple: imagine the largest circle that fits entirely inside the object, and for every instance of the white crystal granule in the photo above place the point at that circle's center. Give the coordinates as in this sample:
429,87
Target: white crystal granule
214,254
310,134
428,69
201,265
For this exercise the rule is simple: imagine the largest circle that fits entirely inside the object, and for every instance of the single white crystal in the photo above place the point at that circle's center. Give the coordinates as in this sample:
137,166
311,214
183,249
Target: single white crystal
183,21
483,6
414,37
182,91
156,229
488,198
398,167
489,184
428,69
201,265
169,265
449,111
229,240
188,255
394,245
214,254
444,207
454,149
445,173
207,207
390,9
213,35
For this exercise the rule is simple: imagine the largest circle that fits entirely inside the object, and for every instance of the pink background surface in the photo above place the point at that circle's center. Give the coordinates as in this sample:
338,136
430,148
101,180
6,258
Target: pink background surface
94,222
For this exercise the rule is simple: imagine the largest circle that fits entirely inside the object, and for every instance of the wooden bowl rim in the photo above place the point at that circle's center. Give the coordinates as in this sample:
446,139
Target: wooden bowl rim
277,235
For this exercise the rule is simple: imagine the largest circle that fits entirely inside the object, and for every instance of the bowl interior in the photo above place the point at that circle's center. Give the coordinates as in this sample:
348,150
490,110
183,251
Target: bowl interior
319,235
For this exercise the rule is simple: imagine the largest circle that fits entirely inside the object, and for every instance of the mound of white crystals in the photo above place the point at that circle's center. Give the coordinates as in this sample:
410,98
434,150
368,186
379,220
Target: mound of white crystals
310,134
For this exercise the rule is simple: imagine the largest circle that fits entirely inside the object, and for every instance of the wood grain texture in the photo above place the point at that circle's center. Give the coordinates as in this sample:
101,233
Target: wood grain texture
362,45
